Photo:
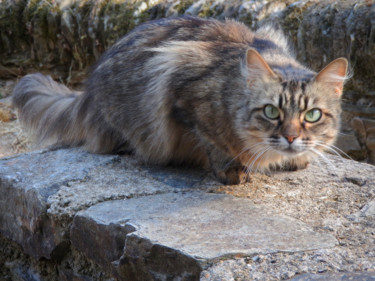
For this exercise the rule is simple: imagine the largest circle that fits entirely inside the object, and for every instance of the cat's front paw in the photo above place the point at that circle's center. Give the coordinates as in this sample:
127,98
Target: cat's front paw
295,165
233,175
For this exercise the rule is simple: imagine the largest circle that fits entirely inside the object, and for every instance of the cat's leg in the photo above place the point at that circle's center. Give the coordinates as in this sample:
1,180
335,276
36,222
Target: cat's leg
225,169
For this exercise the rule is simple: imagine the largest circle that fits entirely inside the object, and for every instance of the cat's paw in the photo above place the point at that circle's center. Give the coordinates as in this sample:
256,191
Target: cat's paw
295,165
233,175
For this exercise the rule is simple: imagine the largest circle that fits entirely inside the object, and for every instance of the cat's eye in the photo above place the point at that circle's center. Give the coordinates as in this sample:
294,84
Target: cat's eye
271,112
313,115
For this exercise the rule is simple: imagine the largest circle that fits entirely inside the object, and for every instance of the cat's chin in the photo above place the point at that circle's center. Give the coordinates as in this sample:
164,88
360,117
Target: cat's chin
290,152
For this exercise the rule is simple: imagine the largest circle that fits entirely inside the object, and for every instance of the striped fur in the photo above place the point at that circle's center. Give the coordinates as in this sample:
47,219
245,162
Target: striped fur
192,90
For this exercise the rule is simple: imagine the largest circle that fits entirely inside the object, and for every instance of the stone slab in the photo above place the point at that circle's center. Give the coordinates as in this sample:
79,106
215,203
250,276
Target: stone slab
368,209
148,222
195,226
40,192
26,182
347,276
124,178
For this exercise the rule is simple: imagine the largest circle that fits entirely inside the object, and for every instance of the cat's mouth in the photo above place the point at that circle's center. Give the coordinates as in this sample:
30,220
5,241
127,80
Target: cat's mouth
292,151
289,149
282,147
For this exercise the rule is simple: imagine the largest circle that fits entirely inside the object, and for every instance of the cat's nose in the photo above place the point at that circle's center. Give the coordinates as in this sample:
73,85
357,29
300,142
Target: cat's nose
290,139
291,130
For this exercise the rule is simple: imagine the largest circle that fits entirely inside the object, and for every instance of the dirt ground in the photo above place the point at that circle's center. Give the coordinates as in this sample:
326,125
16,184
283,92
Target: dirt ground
13,139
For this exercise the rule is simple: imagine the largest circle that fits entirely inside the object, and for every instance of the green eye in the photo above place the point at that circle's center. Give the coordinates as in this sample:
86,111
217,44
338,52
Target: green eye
271,112
313,115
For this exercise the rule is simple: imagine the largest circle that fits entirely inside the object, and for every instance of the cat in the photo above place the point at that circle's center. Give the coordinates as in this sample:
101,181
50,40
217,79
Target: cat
197,91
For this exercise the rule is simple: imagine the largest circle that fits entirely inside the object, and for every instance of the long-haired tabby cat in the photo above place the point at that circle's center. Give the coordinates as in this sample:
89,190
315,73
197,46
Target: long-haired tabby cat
194,90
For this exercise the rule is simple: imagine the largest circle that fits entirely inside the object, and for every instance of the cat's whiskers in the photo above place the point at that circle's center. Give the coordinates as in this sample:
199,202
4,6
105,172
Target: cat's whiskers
260,159
244,150
253,155
325,158
256,156
337,151
343,134
319,163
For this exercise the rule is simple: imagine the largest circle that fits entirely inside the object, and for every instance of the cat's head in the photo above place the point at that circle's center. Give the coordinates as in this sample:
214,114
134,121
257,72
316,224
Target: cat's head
293,111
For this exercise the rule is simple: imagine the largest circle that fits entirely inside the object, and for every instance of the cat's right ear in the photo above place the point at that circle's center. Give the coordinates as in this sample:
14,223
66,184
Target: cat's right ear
257,67
334,75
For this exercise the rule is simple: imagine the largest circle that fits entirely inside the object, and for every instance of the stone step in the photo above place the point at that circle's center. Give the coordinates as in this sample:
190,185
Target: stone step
185,231
137,222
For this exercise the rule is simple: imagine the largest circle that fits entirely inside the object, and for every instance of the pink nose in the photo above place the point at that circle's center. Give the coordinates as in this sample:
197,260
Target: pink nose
290,139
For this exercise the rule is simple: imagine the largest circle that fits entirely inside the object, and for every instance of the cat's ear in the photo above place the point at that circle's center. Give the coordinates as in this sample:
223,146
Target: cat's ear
257,67
334,75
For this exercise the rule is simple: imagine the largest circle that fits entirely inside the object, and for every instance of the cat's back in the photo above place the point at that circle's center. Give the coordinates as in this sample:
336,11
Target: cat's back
186,28
199,41
134,50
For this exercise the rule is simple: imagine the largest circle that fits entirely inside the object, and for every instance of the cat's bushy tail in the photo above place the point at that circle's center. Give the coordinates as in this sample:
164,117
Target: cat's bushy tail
55,115
48,110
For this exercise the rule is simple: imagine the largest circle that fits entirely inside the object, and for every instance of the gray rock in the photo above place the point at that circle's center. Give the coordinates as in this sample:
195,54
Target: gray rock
117,180
365,132
368,209
21,272
26,182
101,215
41,191
198,228
325,196
350,276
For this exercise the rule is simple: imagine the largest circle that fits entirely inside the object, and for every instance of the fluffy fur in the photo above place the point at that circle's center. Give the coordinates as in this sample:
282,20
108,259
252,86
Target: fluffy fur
193,90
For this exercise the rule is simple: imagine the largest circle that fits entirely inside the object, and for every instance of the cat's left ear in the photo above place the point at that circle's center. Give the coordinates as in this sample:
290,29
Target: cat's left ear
334,75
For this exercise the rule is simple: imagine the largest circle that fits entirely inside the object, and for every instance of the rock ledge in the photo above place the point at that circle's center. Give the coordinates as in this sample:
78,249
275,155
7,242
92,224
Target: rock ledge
126,221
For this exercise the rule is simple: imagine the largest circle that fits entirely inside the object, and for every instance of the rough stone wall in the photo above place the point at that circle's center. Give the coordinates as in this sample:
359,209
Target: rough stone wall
70,35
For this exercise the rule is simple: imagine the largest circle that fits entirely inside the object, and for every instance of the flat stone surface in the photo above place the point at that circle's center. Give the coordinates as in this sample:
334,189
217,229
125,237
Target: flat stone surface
226,226
348,276
201,226
45,170
124,178
368,210
335,198
140,222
